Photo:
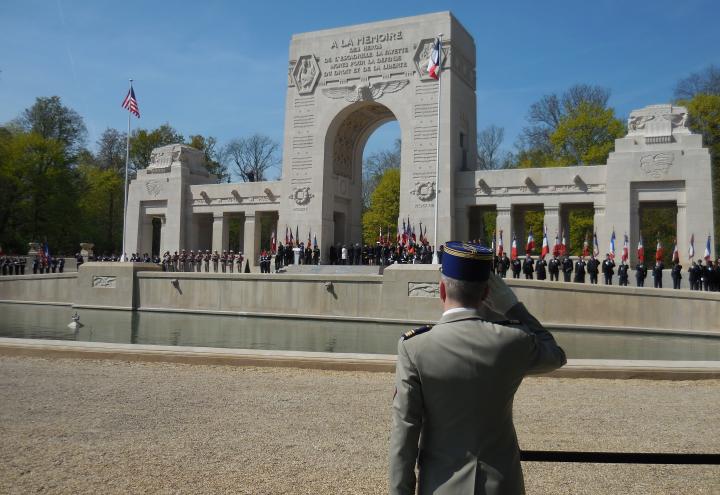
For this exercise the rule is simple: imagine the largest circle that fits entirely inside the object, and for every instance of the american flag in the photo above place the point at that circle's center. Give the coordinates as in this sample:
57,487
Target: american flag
131,104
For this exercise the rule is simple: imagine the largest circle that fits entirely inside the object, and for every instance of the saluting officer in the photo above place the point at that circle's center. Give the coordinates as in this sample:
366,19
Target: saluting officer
455,384
540,265
623,273
592,269
554,268
640,274
608,268
676,274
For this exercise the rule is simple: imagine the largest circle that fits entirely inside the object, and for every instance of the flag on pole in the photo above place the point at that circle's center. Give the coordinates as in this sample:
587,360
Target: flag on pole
556,247
433,67
494,241
513,248
287,238
309,240
658,251
500,245
708,250
530,243
612,245
291,237
413,235
315,241
545,247
273,243
297,234
626,248
586,246
596,247
130,103
641,251
563,245
691,249
676,254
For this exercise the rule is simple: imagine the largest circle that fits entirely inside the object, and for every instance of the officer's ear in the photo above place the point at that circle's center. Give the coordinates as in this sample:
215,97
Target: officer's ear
443,290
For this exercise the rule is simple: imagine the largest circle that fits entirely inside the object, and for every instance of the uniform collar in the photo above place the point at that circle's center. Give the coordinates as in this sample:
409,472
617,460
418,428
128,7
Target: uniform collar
456,314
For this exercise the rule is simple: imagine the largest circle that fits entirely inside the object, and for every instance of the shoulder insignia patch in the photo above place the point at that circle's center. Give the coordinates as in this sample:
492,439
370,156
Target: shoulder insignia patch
416,331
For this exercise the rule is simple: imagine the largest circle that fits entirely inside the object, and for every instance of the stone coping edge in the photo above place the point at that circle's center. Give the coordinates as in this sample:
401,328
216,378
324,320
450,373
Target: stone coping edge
576,368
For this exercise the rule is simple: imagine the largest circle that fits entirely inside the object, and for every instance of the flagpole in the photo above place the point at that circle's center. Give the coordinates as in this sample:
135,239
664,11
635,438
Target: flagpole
127,161
435,259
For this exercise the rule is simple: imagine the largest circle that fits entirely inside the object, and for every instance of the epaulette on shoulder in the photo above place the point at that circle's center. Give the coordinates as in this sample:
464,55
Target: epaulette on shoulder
507,323
416,331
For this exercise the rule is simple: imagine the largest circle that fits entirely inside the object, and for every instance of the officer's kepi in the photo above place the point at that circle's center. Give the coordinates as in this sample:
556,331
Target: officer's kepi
466,261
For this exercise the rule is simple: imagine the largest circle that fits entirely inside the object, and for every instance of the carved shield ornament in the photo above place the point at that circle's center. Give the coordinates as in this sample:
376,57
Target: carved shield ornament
154,187
656,165
306,74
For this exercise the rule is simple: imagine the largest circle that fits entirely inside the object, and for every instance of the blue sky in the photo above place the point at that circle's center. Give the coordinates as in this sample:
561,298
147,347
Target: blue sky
219,68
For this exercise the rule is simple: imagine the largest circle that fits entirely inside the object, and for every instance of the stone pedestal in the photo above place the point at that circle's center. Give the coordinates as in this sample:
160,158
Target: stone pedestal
296,255
109,285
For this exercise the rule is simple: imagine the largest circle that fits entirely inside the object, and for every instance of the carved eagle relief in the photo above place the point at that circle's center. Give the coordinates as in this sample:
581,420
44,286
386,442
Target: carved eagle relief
365,91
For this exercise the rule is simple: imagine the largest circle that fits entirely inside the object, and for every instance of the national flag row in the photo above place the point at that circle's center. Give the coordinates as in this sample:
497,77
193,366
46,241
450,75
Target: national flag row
560,247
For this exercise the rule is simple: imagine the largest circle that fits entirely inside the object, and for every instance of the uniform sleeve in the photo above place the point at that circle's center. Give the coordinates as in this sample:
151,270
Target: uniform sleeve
546,355
406,425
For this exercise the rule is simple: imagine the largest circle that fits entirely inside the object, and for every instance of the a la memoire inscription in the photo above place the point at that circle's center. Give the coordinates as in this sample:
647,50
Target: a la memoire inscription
363,55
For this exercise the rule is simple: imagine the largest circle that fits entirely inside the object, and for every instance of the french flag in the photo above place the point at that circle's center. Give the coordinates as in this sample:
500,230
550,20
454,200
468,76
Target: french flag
545,247
612,245
530,243
500,245
626,248
563,245
658,251
513,248
433,67
586,247
675,255
556,247
641,251
691,249
708,250
596,247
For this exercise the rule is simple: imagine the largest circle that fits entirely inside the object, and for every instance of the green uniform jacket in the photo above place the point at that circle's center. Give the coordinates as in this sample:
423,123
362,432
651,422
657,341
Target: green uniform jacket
452,411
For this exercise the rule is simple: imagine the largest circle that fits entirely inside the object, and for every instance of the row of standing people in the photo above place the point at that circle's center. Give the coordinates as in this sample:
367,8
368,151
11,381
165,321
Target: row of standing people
16,265
380,254
701,277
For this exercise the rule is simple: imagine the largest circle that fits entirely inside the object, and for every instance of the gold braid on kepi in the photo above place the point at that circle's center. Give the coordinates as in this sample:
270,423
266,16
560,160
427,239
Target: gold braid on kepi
466,261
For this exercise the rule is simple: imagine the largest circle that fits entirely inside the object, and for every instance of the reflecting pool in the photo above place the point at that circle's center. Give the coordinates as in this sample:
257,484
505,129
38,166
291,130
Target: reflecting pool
252,332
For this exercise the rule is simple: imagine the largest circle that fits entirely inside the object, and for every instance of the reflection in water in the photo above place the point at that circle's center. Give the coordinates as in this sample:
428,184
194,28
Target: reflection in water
242,332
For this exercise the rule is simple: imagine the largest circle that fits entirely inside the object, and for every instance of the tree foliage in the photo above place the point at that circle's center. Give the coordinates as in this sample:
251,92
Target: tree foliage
375,166
50,119
384,207
490,154
252,157
142,142
705,82
208,145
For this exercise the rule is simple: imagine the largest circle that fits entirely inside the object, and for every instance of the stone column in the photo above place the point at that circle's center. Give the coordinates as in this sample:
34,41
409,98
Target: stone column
251,238
163,236
602,230
219,233
553,224
504,223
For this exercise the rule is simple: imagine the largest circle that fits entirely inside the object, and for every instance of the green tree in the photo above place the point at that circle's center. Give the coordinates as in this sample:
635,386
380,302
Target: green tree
586,135
374,166
208,145
50,119
384,207
143,142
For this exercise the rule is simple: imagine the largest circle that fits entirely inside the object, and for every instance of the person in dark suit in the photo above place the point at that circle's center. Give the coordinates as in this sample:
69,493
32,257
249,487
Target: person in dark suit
567,268
657,274
554,268
676,274
623,273
455,383
608,268
540,270
707,275
593,266
693,275
640,274
580,271
528,267
516,267
504,265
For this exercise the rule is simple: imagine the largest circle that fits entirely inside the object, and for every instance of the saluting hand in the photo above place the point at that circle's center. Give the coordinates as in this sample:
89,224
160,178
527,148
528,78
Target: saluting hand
500,297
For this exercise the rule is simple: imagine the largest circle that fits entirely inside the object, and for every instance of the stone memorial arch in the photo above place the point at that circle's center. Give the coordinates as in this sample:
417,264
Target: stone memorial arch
342,85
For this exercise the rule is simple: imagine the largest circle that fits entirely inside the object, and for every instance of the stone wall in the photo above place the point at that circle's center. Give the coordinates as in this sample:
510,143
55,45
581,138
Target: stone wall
51,288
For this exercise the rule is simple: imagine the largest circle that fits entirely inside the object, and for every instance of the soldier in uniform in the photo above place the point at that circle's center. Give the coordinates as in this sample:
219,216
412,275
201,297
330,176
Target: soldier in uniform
279,256
554,268
608,268
528,267
676,275
516,267
231,261
707,275
623,273
693,275
593,269
657,274
580,271
640,274
567,268
206,260
239,259
504,265
316,255
182,260
223,261
540,265
455,384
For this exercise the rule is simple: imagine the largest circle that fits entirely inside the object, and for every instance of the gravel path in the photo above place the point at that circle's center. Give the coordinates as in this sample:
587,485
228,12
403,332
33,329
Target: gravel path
75,426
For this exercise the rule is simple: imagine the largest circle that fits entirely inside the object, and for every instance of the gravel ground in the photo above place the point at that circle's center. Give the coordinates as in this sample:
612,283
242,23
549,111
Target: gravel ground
76,426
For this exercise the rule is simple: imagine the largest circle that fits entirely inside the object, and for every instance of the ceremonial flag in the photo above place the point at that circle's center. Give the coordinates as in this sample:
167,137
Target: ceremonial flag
530,243
675,255
433,67
708,251
658,251
291,237
641,251
413,235
500,245
287,238
612,245
691,249
494,240
626,248
309,238
596,247
297,234
545,247
273,242
130,103
513,248
556,247
422,237
563,245
315,241
404,234
586,246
